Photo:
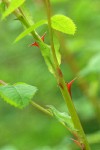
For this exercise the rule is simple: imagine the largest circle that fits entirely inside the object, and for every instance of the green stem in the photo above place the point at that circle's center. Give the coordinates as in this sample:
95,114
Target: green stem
22,18
71,61
62,85
51,33
47,112
42,109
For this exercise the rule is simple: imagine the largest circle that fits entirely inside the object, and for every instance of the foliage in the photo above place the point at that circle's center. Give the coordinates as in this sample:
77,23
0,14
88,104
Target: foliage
63,24
63,117
59,22
18,62
13,5
18,95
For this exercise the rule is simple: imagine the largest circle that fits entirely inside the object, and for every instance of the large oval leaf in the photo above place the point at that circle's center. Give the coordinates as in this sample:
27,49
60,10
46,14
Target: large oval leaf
63,24
18,95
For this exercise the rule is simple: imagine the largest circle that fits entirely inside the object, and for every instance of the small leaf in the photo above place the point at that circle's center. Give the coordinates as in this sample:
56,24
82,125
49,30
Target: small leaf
27,31
63,24
57,47
62,117
46,53
14,4
18,95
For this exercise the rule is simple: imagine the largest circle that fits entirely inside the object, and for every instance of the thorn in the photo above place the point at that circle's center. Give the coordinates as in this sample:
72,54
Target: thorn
43,36
78,143
69,84
35,43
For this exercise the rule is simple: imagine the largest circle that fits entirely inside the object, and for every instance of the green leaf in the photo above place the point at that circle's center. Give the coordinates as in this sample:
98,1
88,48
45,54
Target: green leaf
27,31
58,22
27,14
57,47
63,24
47,55
62,117
14,4
92,66
18,95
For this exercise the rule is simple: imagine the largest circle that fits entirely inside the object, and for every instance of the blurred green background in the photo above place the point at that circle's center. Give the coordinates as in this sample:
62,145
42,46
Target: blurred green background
29,129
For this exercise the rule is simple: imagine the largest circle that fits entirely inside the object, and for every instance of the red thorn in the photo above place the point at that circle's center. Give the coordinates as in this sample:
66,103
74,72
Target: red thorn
35,43
77,143
69,85
43,36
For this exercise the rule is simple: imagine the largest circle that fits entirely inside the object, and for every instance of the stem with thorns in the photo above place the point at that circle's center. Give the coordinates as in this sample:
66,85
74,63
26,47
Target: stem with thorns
62,85
58,73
